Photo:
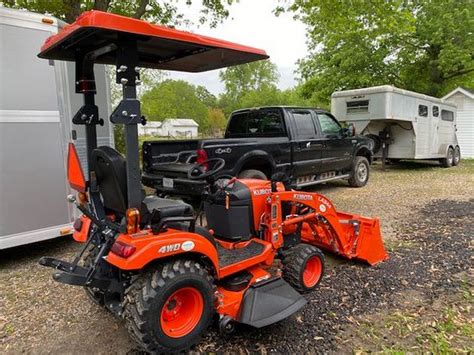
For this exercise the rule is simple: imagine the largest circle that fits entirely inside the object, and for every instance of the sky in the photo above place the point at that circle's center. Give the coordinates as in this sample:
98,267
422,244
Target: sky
252,23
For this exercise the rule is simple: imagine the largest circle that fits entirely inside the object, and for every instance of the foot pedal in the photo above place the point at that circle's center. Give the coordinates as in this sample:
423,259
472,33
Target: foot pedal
268,302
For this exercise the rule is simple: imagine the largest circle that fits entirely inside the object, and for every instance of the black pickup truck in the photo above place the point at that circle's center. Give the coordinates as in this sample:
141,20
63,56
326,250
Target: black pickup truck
305,143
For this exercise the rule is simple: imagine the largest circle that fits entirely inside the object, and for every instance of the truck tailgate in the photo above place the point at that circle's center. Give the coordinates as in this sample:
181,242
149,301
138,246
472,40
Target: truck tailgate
173,153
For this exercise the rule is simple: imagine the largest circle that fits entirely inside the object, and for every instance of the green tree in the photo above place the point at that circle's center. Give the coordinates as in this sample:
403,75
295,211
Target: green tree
164,12
420,45
174,99
205,96
239,80
217,121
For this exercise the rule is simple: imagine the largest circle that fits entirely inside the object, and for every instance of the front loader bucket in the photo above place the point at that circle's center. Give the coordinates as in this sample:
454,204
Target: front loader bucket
368,245
348,235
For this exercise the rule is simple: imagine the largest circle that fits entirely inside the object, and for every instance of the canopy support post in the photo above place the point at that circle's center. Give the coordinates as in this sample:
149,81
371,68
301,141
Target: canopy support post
128,113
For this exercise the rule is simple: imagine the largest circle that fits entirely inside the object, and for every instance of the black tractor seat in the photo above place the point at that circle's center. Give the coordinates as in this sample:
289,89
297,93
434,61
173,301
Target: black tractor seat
165,207
110,168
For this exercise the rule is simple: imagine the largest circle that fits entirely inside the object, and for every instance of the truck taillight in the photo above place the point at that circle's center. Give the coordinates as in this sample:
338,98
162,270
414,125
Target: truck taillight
123,250
202,157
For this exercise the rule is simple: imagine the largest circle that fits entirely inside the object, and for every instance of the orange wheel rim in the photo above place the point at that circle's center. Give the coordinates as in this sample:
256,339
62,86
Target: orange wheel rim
181,312
312,271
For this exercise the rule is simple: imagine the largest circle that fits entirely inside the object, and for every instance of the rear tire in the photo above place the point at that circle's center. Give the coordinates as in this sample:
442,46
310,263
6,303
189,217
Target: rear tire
167,309
457,156
303,267
252,174
360,172
448,161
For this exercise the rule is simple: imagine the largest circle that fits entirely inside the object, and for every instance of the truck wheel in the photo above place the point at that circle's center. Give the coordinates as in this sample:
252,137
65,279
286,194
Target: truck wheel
448,161
360,172
166,310
252,174
303,267
457,156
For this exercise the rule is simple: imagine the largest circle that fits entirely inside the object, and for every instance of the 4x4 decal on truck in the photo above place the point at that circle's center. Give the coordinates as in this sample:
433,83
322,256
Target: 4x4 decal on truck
223,151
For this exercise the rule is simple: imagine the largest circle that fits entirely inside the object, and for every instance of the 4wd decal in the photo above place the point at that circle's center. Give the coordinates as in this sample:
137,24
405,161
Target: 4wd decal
185,246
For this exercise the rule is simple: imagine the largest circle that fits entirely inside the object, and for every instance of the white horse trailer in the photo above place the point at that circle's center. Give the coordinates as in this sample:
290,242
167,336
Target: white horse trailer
403,124
37,101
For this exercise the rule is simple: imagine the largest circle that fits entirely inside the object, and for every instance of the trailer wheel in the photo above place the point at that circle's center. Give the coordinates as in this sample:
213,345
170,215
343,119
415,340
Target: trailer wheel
167,309
252,174
303,267
360,172
457,156
448,161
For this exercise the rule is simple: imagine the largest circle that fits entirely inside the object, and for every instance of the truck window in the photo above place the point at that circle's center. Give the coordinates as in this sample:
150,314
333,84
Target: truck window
447,115
305,127
329,126
435,111
422,110
256,123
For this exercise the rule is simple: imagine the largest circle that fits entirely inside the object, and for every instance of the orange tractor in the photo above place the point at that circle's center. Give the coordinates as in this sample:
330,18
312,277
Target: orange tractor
145,258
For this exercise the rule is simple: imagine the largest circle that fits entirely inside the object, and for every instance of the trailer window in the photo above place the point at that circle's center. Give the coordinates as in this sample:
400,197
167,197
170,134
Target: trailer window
423,111
435,111
357,106
256,123
447,115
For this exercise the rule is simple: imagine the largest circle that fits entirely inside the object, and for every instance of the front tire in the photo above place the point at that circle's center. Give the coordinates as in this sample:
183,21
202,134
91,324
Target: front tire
303,267
360,172
168,309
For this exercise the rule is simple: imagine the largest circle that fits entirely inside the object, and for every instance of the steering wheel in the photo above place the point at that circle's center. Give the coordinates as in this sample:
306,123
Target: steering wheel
198,172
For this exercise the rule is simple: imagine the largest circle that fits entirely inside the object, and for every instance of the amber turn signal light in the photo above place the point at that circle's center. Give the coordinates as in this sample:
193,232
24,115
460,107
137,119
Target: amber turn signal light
133,220
82,198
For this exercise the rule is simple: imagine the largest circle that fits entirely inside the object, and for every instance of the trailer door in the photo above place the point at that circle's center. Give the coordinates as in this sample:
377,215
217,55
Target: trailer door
434,127
423,130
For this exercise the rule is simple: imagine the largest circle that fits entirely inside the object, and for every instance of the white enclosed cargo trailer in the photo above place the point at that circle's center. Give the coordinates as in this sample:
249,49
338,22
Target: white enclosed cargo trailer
37,102
404,124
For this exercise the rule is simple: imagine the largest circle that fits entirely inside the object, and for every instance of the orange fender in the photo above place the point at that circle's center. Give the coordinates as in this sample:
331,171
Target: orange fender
150,247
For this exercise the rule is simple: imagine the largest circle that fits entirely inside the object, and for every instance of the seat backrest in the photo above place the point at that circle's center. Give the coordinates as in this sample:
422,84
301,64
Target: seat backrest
110,168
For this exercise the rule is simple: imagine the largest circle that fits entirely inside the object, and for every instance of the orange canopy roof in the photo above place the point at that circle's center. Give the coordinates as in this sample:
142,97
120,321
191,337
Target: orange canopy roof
159,47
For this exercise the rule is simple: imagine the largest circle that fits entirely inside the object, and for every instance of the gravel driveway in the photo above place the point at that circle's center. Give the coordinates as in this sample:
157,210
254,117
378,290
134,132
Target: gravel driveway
427,216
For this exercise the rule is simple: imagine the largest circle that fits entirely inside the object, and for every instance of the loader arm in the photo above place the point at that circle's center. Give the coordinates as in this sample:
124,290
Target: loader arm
349,235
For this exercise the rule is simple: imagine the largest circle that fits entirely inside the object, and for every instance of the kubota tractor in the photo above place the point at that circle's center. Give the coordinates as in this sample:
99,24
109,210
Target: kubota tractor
145,258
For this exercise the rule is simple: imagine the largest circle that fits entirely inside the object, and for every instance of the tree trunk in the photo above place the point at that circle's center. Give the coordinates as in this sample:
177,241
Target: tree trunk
72,10
141,9
102,5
